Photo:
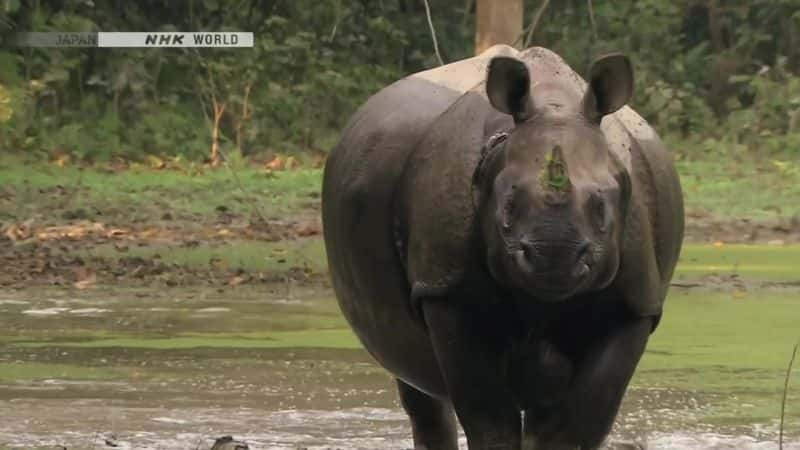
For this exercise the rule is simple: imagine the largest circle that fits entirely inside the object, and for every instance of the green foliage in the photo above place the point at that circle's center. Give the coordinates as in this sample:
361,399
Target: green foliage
673,108
727,74
168,129
773,119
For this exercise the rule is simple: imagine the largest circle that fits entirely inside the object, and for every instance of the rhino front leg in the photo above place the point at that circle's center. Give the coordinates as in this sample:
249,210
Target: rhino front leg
471,357
432,421
585,417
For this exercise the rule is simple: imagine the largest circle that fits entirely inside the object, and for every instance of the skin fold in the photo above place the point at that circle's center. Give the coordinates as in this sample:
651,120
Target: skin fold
501,235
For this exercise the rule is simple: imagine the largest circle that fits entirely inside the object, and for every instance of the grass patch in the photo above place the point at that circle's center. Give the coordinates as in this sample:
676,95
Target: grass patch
752,261
150,193
758,190
30,371
736,350
727,188
247,255
341,338
714,330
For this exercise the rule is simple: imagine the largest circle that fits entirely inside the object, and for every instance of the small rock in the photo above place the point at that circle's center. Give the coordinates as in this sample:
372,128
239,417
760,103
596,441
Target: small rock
627,445
111,441
77,214
794,222
227,443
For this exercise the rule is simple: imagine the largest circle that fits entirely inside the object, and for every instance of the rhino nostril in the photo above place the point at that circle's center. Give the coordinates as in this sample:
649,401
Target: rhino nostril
532,256
527,255
583,250
582,259
527,252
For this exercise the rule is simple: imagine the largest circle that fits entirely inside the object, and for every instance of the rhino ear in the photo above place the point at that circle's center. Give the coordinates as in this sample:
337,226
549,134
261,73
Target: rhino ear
508,86
610,86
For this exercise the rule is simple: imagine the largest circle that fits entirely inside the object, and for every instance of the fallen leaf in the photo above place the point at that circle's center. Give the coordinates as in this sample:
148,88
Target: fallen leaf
137,271
149,233
155,162
238,279
86,278
216,263
311,229
276,164
61,158
19,232
318,161
116,232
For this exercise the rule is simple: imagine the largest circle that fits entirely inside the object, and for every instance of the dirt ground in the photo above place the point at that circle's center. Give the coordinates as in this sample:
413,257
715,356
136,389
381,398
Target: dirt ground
60,250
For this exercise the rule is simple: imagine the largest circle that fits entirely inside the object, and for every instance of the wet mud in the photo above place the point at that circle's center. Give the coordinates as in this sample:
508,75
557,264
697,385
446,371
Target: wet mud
274,365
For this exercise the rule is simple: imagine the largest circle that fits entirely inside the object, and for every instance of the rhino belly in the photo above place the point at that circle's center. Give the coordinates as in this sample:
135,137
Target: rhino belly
368,277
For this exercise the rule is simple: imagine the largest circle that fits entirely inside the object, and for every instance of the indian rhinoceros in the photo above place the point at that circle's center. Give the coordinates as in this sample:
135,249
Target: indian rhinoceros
501,236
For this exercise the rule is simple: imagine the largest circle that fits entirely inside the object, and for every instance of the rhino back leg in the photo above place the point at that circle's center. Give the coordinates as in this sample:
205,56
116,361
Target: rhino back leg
433,423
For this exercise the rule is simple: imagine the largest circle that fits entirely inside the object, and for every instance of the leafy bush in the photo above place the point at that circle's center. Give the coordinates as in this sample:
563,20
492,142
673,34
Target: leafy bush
314,62
170,130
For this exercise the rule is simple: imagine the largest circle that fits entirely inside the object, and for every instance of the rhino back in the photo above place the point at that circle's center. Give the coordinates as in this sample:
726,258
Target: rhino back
363,170
361,177
464,75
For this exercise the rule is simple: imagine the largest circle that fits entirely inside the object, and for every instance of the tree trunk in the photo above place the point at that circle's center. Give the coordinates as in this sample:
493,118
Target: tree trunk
219,109
498,22
243,118
724,63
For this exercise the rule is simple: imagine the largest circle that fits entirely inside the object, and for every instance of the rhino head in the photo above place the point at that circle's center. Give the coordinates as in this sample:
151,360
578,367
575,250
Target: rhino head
552,198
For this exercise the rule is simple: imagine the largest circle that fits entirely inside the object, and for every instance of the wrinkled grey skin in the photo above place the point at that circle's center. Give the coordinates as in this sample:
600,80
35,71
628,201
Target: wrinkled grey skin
527,279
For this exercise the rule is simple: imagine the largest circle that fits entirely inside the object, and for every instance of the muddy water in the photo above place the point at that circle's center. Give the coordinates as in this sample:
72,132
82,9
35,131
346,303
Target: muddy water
273,366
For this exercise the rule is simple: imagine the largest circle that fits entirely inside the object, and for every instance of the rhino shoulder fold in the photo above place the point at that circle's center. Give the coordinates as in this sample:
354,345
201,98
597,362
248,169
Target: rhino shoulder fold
653,229
434,200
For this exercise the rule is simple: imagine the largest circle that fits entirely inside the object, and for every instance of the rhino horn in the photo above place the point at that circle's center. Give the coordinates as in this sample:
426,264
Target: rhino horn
555,174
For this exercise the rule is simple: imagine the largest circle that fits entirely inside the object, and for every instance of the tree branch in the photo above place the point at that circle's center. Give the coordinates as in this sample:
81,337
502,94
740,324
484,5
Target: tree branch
467,9
433,33
785,393
535,23
338,19
591,20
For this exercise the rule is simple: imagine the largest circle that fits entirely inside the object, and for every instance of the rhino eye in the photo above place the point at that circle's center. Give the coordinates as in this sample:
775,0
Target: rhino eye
597,209
508,208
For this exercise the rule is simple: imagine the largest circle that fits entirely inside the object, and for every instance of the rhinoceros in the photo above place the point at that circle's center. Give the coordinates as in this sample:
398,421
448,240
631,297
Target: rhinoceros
501,237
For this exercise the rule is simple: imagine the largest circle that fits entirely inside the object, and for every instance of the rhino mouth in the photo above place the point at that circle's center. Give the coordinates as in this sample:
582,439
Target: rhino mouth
546,289
552,280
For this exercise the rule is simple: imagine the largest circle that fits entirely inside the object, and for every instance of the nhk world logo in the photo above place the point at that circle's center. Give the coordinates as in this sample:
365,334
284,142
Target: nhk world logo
144,39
